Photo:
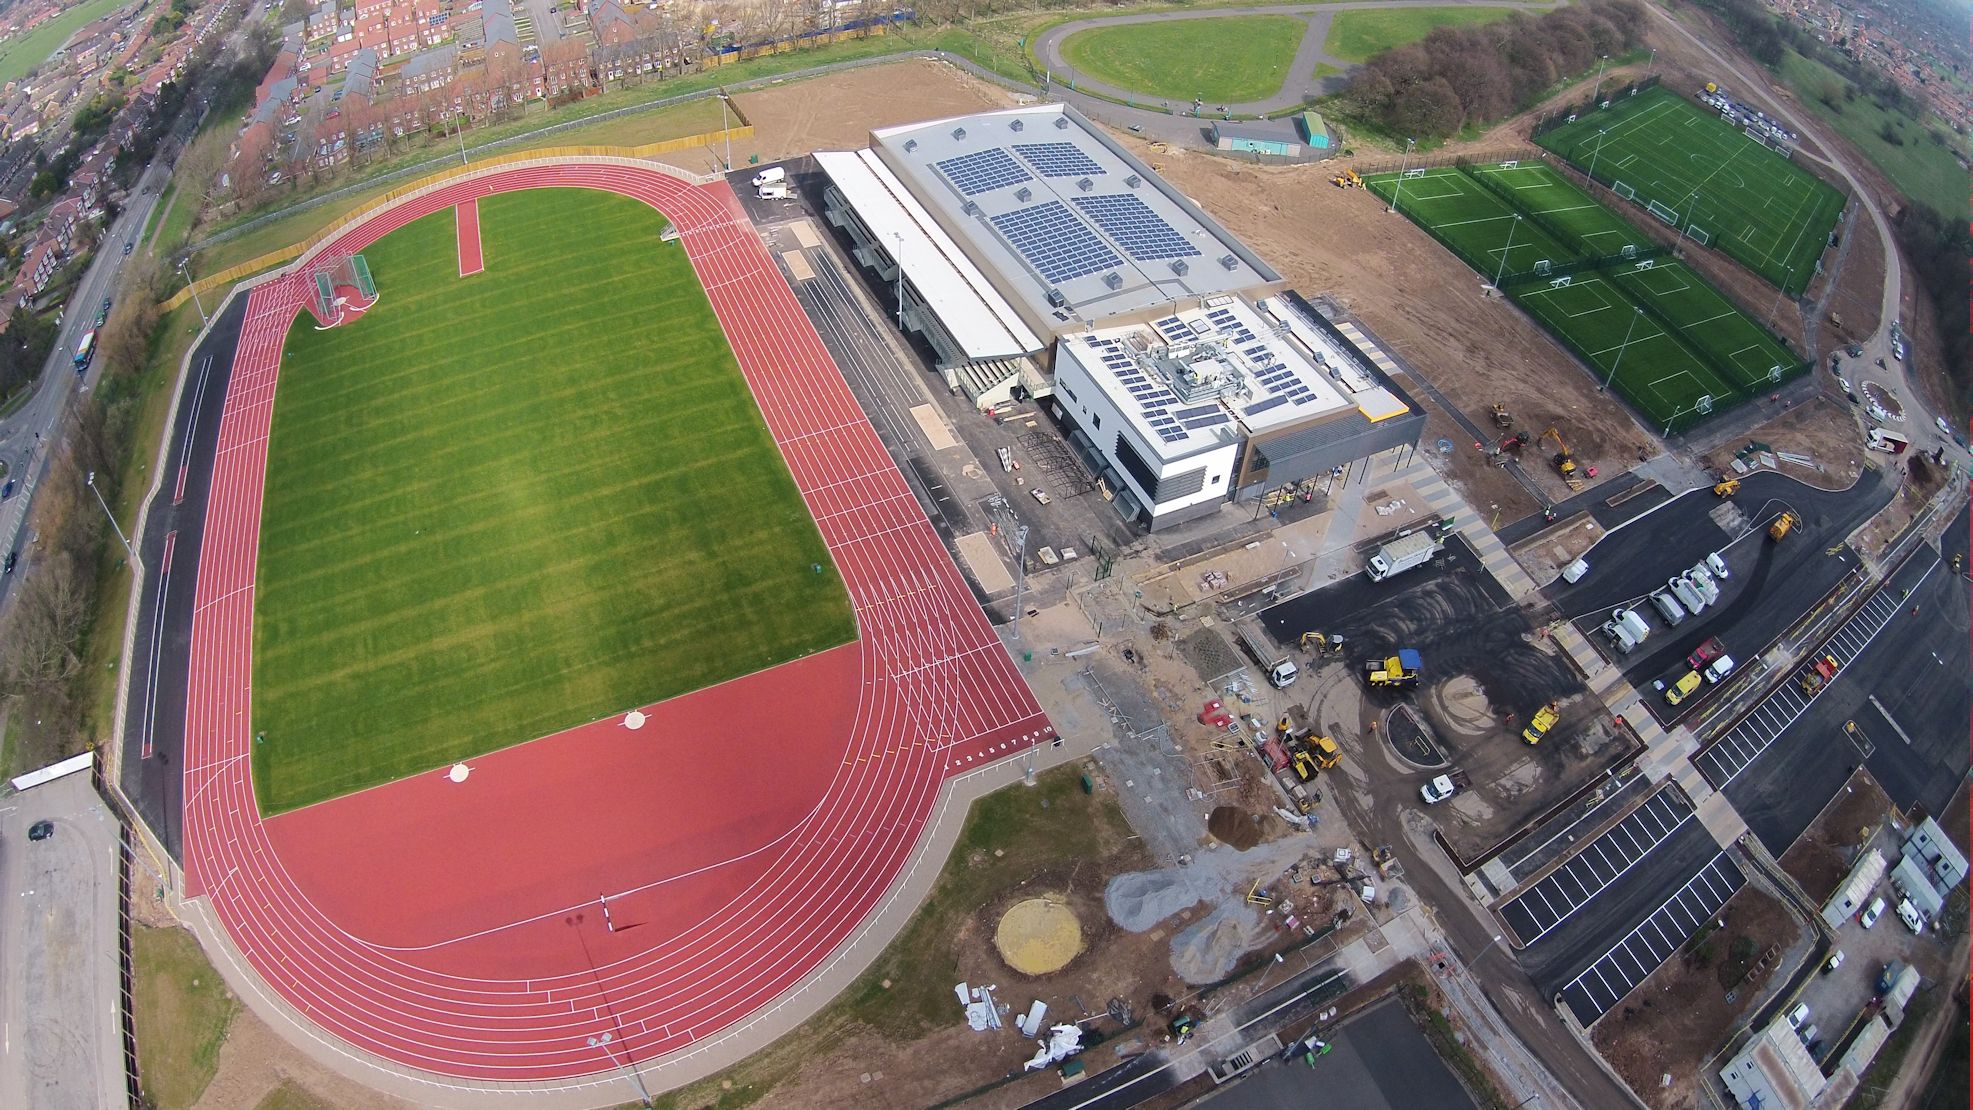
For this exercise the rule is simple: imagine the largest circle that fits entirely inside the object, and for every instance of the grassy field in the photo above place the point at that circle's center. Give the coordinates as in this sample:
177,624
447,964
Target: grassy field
1664,338
504,505
1733,193
1224,60
1361,34
692,118
182,1010
1923,170
19,55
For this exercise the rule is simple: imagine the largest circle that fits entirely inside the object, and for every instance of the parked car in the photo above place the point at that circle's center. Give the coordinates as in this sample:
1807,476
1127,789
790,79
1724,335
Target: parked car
1718,669
1835,961
1909,914
1798,1016
1871,913
1705,653
41,830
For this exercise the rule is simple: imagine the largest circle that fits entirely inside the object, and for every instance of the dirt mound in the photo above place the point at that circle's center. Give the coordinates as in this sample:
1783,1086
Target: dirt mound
1207,950
1039,935
1138,900
1234,826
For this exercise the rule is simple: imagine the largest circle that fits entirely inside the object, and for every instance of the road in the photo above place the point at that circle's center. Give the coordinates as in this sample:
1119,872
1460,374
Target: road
62,1047
28,434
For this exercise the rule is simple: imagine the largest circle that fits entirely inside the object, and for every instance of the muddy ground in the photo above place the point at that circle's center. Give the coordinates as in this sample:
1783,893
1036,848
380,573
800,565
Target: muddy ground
1822,856
1674,1022
1821,428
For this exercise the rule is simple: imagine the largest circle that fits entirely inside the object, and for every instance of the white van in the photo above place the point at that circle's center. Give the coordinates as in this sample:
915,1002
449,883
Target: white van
1626,630
776,190
1669,608
769,175
1686,595
1702,581
1717,564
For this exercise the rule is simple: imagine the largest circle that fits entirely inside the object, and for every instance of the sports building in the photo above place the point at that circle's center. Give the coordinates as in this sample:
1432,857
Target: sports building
1033,255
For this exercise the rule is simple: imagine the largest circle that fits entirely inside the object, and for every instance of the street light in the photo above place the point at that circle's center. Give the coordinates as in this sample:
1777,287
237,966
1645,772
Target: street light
194,287
1636,315
113,524
603,1042
726,128
1602,136
1402,167
1501,271
1596,97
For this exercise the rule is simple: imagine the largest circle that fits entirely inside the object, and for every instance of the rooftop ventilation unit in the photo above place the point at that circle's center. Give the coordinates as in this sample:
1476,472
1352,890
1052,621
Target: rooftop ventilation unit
959,133
1179,267
1061,123
1133,181
910,145
1017,125
1056,298
971,209
1228,262
1085,184
1114,280
1024,194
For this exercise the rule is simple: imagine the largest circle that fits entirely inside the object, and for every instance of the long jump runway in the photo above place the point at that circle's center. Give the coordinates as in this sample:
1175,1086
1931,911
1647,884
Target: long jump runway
651,887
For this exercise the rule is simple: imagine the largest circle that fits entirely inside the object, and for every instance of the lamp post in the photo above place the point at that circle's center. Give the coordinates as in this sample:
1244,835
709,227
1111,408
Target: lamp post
194,287
1690,200
1021,572
1596,97
1601,137
1636,315
726,128
1402,167
1501,271
603,1043
128,550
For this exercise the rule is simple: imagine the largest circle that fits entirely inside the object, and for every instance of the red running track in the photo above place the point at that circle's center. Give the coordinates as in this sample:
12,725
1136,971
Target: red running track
656,885
466,222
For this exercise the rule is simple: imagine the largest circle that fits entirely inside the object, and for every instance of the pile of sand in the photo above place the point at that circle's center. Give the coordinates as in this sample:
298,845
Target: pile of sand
1207,950
1039,935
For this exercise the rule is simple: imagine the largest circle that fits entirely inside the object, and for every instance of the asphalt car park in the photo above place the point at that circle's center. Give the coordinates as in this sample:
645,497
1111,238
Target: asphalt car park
1563,953
1546,904
1769,585
1898,707
1615,973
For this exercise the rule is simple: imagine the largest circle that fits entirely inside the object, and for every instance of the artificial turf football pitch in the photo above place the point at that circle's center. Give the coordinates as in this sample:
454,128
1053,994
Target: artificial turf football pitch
1742,198
507,504
1647,324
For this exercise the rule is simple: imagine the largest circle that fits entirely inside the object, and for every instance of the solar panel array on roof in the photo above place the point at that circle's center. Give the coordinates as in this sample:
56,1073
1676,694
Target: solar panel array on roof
1283,385
1152,398
983,171
1059,246
1129,222
1059,159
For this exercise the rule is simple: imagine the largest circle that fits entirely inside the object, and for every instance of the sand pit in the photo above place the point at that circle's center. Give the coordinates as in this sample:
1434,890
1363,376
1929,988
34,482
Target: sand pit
1039,935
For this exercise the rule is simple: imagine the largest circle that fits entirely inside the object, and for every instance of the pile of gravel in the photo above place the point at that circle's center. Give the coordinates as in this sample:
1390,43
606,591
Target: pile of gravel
1139,900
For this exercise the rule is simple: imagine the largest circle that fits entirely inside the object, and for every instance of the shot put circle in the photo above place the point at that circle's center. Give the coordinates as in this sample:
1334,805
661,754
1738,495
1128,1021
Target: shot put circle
1038,936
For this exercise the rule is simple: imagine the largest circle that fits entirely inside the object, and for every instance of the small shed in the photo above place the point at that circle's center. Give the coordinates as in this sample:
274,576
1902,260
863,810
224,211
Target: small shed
1267,138
1314,129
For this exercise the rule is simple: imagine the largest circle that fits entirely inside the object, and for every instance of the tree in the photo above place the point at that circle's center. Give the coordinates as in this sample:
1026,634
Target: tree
1429,109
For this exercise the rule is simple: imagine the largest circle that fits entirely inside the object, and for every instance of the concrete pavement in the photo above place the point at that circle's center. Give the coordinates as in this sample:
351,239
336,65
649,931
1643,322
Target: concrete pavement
62,1045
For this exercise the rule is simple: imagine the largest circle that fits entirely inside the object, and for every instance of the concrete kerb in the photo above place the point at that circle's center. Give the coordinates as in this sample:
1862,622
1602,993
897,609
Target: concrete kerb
722,1050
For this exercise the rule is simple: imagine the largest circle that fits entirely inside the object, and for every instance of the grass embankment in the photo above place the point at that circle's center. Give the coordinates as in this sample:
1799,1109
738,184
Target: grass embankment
656,125
1360,35
1009,837
503,505
1921,167
1226,60
182,1011
24,53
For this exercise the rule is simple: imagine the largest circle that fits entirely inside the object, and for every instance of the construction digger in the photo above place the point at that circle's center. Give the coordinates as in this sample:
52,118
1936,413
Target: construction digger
1316,643
1565,460
1314,754
1783,524
1726,488
1502,419
1398,670
1348,179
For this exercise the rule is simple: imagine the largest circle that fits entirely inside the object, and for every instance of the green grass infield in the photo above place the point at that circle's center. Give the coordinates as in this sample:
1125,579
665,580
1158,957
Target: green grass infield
503,505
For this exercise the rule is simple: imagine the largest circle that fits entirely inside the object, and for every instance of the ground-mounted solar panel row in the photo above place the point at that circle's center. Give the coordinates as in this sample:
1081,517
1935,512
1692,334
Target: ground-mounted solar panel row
1680,163
1644,323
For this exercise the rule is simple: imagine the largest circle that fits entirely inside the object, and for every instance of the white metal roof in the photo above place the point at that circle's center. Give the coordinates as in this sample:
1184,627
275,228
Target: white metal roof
979,318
